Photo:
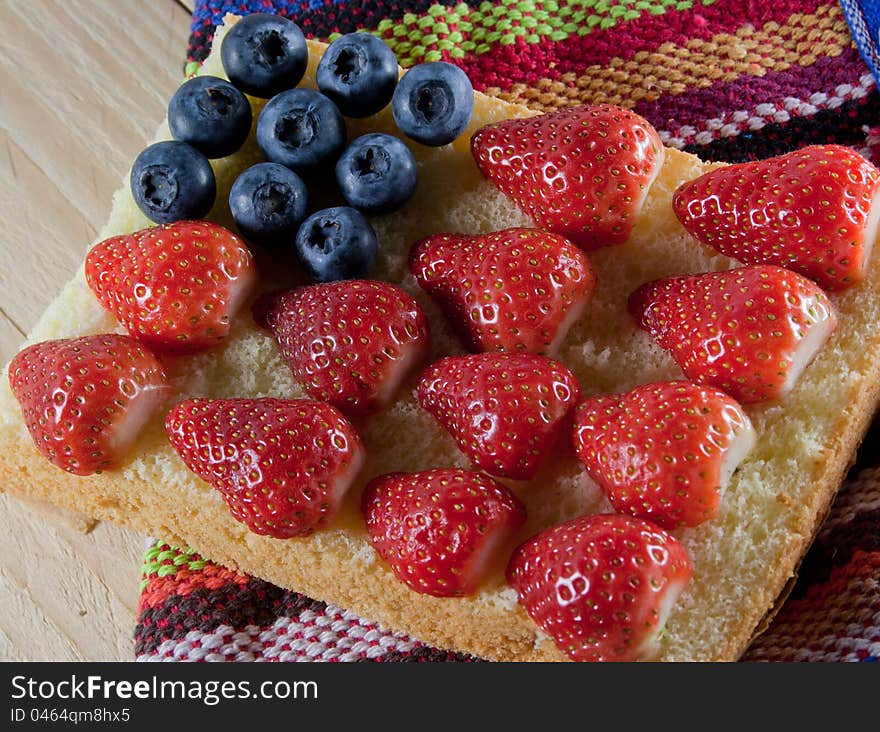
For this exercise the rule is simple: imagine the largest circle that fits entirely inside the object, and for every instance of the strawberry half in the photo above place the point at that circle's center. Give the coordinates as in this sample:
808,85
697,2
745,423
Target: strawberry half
350,343
441,530
814,210
511,290
282,465
663,452
85,400
174,287
582,172
749,331
602,586
505,410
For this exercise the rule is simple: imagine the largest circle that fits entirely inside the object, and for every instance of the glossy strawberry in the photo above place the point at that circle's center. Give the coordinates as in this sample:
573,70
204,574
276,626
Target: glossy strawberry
441,530
749,331
663,452
814,210
602,586
505,410
582,172
350,343
282,465
85,400
175,287
511,290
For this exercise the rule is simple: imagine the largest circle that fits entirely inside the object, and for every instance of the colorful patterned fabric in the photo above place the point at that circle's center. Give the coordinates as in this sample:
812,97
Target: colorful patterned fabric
864,22
193,610
726,79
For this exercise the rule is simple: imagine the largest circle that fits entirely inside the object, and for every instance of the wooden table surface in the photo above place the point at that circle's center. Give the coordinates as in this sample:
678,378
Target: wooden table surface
83,86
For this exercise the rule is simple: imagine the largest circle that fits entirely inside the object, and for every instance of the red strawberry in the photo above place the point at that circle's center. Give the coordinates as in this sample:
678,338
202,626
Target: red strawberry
582,172
505,410
602,586
441,530
511,290
84,400
174,287
663,452
815,211
350,343
282,465
750,331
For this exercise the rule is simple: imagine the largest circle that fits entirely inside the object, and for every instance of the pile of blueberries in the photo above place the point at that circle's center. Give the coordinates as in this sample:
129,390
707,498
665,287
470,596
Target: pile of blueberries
302,134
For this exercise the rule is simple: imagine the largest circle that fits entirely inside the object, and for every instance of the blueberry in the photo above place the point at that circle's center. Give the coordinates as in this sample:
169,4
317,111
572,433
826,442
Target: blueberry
358,72
336,244
301,129
211,115
171,181
264,54
433,103
268,202
377,173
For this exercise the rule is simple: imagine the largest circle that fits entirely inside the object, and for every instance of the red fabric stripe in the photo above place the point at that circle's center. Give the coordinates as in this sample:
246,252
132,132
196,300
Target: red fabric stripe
527,63
185,580
695,106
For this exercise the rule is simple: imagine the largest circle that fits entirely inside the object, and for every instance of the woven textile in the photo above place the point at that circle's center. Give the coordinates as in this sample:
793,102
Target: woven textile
726,79
864,22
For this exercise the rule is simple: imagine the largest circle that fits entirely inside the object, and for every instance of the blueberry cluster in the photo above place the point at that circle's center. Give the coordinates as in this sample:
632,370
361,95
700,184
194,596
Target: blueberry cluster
302,134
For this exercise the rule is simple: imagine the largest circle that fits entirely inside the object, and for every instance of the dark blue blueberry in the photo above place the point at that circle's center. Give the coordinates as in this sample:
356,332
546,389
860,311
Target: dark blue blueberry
358,72
172,181
336,244
211,115
433,103
301,129
268,202
377,173
264,54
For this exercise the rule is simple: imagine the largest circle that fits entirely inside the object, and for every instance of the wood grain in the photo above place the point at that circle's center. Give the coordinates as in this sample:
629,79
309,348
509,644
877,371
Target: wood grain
85,84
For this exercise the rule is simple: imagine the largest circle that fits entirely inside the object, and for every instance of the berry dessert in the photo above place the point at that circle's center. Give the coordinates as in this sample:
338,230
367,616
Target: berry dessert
330,446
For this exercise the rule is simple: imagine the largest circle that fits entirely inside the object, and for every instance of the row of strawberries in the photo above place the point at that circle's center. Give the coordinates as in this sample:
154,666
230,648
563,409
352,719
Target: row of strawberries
600,585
